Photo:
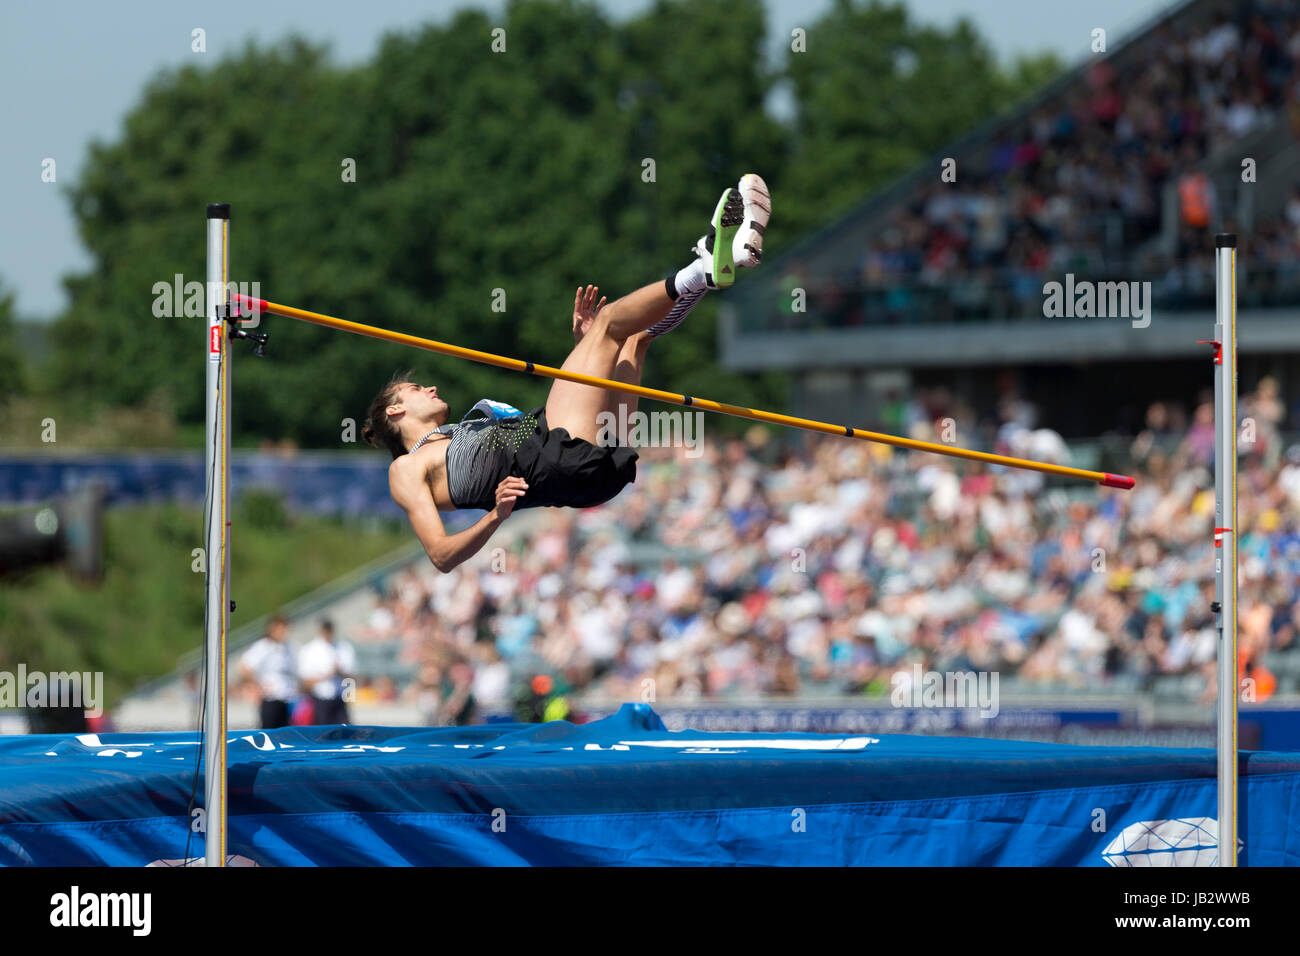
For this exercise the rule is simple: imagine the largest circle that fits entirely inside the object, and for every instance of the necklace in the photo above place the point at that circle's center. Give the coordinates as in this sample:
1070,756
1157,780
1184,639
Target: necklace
423,440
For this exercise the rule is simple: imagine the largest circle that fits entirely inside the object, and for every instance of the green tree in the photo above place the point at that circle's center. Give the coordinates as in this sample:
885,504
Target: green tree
13,366
878,93
1030,73
262,132
478,171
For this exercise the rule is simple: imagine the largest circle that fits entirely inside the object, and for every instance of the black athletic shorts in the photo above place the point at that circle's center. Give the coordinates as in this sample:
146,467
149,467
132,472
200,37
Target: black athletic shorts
567,472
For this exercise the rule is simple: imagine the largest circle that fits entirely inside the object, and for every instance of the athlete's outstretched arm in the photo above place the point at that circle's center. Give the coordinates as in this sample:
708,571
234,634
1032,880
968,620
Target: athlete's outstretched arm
407,484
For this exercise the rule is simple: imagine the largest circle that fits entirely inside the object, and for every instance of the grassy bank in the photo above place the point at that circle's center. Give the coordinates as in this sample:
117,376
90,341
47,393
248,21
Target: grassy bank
148,610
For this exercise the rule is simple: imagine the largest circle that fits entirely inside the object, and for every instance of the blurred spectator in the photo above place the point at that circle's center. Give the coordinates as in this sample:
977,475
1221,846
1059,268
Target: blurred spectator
324,664
269,664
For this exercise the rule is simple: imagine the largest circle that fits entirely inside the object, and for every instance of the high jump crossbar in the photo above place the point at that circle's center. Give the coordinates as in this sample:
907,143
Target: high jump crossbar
256,306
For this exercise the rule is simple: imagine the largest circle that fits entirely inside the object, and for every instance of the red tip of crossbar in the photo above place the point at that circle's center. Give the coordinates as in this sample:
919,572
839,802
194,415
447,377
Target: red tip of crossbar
257,305
1117,481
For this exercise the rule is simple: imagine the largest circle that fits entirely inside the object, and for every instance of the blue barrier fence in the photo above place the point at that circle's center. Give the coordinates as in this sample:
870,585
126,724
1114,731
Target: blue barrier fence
320,483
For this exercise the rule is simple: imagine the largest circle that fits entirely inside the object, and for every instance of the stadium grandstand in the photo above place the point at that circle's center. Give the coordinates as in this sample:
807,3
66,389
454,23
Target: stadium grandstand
937,286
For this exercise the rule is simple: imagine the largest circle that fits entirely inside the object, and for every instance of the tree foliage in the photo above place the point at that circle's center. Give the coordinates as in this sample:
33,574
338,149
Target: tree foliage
13,367
476,171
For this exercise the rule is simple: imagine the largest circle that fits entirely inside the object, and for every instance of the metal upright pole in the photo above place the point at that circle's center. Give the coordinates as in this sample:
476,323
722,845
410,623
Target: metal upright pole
1225,535
217,531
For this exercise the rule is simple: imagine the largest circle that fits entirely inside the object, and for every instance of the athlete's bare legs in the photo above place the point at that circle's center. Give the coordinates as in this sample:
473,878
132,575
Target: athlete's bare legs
612,339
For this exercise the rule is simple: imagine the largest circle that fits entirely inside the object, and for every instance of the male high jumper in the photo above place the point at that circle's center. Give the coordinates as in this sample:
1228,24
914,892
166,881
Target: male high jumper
497,459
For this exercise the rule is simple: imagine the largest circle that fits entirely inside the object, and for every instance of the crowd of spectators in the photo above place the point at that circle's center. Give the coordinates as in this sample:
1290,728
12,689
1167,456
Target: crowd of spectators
1078,184
821,567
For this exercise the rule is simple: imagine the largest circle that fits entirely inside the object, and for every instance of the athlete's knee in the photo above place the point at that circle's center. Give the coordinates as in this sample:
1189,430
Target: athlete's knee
603,327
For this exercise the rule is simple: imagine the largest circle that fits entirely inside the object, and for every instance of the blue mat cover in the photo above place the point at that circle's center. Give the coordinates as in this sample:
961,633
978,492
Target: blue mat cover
626,791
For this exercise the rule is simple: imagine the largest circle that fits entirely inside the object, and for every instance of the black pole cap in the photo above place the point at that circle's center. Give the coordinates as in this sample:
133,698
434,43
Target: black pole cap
218,210
1224,240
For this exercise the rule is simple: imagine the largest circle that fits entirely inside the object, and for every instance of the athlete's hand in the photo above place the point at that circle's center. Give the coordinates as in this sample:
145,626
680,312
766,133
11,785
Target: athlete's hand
585,308
508,492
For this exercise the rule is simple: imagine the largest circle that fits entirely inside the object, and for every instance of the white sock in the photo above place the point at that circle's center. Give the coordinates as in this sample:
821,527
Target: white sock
690,279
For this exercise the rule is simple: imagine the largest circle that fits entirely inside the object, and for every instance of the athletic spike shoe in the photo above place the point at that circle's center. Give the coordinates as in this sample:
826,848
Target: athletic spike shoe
747,249
716,246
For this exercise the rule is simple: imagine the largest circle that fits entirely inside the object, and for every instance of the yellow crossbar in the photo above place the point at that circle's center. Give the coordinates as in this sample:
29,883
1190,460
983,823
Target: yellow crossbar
756,414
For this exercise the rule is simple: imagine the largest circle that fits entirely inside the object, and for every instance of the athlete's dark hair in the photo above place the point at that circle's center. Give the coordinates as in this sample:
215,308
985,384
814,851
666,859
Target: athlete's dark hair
378,431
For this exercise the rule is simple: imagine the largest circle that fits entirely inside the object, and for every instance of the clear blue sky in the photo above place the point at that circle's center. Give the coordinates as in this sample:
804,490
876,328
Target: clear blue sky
71,70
